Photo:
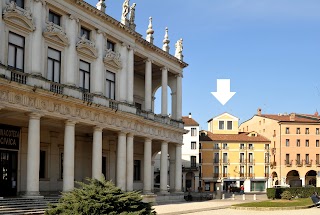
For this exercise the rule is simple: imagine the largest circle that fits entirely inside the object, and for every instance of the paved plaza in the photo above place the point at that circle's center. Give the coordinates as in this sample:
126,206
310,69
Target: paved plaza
311,211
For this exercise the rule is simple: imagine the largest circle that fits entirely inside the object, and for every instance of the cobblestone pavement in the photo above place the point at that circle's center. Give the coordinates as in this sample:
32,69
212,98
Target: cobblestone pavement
311,211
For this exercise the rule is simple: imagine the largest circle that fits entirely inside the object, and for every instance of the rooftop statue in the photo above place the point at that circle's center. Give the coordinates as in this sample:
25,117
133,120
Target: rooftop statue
179,48
125,9
132,13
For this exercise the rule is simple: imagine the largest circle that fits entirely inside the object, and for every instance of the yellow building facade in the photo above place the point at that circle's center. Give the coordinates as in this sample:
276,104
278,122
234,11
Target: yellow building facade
230,158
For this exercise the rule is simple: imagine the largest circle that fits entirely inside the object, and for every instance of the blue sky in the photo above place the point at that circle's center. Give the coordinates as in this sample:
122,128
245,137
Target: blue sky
269,49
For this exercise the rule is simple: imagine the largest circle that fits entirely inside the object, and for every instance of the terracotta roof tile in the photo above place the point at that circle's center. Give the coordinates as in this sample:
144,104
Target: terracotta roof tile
286,118
189,121
241,137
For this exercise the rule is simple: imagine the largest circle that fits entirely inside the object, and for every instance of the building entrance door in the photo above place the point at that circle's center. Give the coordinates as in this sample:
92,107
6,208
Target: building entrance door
8,173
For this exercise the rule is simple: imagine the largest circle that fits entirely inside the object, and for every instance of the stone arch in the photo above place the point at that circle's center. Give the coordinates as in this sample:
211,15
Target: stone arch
311,178
190,183
293,179
275,180
156,103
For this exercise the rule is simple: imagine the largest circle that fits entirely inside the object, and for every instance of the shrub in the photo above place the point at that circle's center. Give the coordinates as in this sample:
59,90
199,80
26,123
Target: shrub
300,192
286,195
100,197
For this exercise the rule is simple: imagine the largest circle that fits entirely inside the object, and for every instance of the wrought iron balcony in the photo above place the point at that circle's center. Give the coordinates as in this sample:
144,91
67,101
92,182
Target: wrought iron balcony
250,175
288,163
318,163
308,163
299,163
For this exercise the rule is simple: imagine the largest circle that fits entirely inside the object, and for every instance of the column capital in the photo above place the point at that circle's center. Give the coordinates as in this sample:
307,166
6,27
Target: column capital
70,122
35,115
130,135
148,60
147,139
97,128
180,75
164,68
43,2
122,133
73,17
101,32
165,143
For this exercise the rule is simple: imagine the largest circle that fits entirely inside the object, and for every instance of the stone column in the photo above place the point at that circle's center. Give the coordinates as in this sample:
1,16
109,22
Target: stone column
130,79
97,153
178,169
147,180
68,155
303,181
71,52
152,175
33,157
172,164
196,182
121,161
148,85
122,80
184,182
164,168
98,66
179,97
164,93
130,162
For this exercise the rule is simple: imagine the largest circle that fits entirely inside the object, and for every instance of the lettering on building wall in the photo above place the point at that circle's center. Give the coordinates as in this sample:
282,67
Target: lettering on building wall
9,137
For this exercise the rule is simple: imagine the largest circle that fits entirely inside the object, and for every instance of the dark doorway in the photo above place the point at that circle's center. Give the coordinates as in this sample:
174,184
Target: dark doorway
8,173
188,184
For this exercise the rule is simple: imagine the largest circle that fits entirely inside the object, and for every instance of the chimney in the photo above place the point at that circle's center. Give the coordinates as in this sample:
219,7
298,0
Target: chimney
259,111
190,116
101,6
292,116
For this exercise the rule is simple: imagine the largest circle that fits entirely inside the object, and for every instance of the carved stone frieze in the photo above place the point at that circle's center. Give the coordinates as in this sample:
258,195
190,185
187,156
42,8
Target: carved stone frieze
18,17
55,34
87,47
57,108
113,59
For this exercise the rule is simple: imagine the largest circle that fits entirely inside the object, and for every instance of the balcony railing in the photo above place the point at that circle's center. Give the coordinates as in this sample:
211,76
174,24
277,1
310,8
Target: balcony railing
318,163
225,161
288,163
243,148
18,77
299,163
242,161
251,148
191,168
251,161
250,175
225,175
266,175
142,113
56,88
215,175
15,75
308,163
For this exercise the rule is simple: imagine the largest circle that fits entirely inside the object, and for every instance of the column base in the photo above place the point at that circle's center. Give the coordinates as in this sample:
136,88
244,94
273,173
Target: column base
179,192
164,193
33,195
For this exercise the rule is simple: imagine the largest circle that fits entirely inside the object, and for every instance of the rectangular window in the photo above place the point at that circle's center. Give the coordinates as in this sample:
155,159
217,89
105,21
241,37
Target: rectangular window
250,146
250,158
287,159
287,142
199,145
207,186
317,130
43,163
266,171
241,145
225,158
85,31
104,166
54,18
241,157
20,3
225,146
225,171
317,143
307,143
287,131
317,159
193,132
193,145
307,159
193,161
298,130
111,45
221,125
298,142
84,76
216,170
229,125
110,85
16,51
216,158
266,146
242,171
307,130
250,171
266,158
54,65
298,159
137,170
216,146
138,105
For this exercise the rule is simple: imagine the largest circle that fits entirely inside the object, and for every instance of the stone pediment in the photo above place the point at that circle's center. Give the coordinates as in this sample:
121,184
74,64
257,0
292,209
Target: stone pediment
112,59
87,48
55,34
18,17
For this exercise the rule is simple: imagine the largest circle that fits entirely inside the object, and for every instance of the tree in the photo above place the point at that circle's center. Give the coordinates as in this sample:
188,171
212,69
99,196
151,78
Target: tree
100,197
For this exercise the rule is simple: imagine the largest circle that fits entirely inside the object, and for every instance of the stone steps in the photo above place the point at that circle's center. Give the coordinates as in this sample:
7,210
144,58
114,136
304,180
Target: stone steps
19,206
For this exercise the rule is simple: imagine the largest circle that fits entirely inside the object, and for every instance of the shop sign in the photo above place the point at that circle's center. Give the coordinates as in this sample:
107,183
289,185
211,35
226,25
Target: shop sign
9,137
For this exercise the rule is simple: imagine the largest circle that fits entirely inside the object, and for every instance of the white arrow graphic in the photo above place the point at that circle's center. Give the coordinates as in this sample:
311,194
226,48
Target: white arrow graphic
223,94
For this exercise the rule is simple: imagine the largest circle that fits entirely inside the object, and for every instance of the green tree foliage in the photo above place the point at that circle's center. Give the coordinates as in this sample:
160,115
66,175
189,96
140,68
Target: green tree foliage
100,197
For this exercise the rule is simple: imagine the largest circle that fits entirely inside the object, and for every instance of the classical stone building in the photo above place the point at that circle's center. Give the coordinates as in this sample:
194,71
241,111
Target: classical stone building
230,158
294,146
76,99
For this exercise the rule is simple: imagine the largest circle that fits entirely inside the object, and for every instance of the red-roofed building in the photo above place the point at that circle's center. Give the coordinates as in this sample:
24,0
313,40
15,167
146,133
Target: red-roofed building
295,146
